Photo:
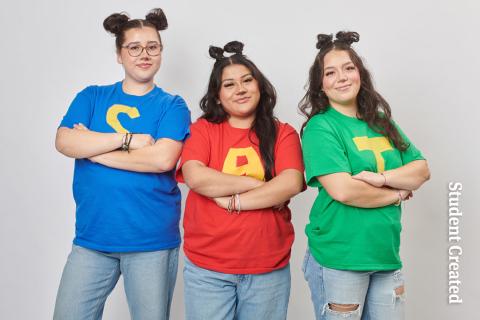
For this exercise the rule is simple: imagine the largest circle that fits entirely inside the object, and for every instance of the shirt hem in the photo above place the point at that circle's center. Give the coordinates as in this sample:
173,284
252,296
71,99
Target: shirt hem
97,247
237,270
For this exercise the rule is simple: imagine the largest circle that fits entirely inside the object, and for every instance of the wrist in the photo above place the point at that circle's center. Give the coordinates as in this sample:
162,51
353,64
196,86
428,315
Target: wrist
399,198
384,179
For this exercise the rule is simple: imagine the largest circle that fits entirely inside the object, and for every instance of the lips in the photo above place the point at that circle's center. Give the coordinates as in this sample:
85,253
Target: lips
144,65
242,100
343,88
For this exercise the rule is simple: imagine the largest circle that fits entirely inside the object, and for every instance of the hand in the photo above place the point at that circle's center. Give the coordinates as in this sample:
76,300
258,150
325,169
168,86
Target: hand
279,207
222,202
140,140
406,194
372,178
80,126
94,158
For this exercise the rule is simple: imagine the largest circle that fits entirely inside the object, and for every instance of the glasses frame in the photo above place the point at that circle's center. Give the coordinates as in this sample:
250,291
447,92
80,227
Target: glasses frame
143,48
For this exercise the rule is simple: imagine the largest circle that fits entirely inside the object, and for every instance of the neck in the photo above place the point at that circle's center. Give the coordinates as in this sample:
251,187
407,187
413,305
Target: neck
241,123
349,109
137,88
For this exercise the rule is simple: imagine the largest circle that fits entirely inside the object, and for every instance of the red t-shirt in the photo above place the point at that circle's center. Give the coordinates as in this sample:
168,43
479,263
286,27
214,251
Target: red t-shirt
255,241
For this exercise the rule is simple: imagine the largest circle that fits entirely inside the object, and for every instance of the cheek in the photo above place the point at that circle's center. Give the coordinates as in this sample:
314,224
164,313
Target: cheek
355,77
223,96
254,88
327,83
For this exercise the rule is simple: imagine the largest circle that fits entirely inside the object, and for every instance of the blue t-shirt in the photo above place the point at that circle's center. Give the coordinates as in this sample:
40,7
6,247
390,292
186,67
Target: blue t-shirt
119,210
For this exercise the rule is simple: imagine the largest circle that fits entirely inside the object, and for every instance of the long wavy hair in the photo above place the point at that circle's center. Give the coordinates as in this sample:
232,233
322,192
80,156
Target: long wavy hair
372,107
265,123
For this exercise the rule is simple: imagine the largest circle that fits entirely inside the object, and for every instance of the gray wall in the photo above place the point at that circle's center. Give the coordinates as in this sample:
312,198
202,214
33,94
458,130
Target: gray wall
424,58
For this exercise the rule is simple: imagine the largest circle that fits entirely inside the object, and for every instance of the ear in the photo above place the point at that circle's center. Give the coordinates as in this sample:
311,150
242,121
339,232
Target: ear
119,58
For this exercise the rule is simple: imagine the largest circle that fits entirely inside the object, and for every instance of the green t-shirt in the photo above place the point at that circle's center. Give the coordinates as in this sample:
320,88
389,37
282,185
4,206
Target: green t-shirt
341,236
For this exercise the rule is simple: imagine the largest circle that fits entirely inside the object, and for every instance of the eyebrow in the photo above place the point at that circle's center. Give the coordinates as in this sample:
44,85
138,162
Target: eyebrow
139,42
245,75
330,67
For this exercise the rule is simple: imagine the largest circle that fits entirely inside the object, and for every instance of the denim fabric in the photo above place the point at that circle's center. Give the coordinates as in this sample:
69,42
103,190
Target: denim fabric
211,295
372,291
89,276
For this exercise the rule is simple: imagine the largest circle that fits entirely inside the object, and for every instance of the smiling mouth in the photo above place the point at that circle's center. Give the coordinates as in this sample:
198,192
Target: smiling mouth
144,65
243,100
344,88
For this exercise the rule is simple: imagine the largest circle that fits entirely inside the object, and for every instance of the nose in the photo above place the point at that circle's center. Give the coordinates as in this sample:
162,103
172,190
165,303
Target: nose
144,54
342,76
241,89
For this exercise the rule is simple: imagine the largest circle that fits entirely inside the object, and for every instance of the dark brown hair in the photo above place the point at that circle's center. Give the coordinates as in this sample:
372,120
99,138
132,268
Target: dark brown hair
118,23
372,107
265,124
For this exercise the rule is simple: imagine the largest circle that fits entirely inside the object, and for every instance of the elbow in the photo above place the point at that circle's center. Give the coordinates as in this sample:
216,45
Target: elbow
61,143
191,182
296,187
165,165
62,147
423,177
340,196
426,175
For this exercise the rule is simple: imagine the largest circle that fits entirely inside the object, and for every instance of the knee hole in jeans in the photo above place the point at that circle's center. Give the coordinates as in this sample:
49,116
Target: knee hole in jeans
400,291
343,307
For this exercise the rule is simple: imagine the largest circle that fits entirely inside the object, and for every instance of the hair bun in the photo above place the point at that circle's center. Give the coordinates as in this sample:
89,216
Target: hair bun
157,18
324,40
115,22
235,47
216,52
347,37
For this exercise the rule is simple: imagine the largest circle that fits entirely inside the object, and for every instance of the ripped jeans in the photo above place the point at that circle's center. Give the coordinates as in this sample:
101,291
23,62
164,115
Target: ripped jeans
365,295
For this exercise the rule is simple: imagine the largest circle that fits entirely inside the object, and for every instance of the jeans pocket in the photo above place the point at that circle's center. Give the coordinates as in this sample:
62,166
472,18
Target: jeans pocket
305,260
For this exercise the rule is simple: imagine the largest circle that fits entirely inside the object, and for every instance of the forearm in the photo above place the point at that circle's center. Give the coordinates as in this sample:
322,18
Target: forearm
160,157
361,194
408,177
212,183
274,192
84,144
343,188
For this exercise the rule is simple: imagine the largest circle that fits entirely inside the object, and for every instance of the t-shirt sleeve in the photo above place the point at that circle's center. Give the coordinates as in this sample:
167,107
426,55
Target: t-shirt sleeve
176,121
288,151
81,109
323,152
196,147
412,153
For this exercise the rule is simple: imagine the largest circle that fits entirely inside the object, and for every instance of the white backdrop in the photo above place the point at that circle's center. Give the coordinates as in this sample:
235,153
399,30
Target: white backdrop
424,59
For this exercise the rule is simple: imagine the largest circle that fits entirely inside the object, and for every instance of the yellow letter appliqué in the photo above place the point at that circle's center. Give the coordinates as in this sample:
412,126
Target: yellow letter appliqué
112,116
377,145
243,162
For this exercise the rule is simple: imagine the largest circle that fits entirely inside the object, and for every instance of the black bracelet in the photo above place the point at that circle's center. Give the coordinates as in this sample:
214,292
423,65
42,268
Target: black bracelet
124,142
129,140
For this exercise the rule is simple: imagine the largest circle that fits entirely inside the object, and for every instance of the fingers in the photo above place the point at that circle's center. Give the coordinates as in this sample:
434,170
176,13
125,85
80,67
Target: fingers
79,126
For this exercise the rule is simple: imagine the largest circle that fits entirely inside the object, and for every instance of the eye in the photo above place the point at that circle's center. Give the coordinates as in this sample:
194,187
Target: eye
153,47
228,85
350,68
249,79
134,48
329,73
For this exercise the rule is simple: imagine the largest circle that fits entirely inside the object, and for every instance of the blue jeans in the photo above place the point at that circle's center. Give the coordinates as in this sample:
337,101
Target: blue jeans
211,295
373,292
89,276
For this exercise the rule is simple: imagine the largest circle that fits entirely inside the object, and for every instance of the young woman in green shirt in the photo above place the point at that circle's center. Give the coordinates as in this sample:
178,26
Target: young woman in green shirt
364,167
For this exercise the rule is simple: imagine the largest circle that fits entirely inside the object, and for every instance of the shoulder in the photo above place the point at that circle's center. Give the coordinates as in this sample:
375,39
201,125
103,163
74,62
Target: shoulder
94,91
170,100
203,124
320,121
285,129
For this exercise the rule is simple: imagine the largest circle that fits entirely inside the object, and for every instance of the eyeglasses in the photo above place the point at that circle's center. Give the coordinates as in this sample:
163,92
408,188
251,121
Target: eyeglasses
135,50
